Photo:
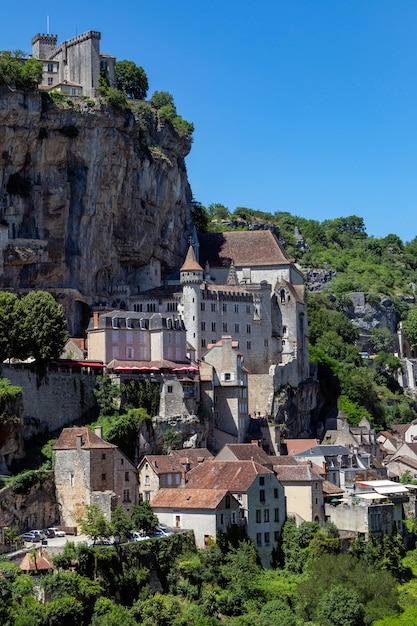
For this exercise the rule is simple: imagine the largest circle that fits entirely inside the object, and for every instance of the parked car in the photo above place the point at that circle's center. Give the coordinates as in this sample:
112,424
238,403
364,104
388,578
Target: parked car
39,533
161,528
101,542
56,532
138,536
30,536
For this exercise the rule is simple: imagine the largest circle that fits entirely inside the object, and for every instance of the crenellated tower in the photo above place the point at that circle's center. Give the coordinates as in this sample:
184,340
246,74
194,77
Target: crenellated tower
191,277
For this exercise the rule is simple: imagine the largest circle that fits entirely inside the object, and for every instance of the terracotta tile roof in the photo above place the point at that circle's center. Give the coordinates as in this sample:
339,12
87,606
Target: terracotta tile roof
190,263
330,489
237,476
400,429
248,452
285,459
296,473
162,463
192,456
245,248
406,460
191,498
42,562
67,440
295,446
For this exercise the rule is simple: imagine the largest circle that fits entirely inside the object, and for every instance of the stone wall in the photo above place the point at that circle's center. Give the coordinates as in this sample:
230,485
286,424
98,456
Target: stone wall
53,401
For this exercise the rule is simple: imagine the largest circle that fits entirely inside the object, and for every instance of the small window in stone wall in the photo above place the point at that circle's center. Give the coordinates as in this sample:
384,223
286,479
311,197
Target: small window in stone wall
127,478
103,477
169,389
126,495
103,456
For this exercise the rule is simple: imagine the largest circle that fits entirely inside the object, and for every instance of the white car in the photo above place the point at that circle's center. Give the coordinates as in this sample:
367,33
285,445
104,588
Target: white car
56,532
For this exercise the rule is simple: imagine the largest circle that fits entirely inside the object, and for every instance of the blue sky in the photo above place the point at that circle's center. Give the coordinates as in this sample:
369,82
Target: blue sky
306,106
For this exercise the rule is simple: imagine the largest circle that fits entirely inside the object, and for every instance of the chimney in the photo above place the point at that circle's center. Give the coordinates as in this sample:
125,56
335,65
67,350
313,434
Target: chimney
98,430
95,319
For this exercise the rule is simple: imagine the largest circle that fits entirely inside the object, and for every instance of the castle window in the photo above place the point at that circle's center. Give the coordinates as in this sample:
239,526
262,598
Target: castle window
126,495
265,343
266,515
224,308
261,480
262,495
129,353
115,322
284,330
266,539
236,308
236,328
203,343
127,476
103,456
258,539
248,328
248,309
103,477
249,345
169,389
258,516
282,295
50,81
203,326
213,307
276,515
203,306
224,327
213,327
147,481
50,67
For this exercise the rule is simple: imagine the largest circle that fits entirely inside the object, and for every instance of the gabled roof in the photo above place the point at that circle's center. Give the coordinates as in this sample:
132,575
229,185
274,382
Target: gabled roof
294,446
296,473
247,452
67,440
400,430
285,459
330,489
244,248
192,456
42,562
162,463
191,498
325,451
405,460
237,476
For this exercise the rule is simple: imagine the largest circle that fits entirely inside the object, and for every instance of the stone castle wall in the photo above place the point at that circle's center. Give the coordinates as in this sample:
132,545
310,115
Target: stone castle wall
53,401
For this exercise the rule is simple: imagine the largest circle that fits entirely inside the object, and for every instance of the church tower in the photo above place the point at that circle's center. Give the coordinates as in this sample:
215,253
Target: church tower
191,277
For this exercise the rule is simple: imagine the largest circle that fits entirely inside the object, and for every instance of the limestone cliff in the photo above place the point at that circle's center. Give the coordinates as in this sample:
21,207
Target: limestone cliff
88,198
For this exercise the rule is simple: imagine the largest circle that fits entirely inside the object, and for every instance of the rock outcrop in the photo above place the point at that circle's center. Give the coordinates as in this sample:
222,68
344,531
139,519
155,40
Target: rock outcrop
88,198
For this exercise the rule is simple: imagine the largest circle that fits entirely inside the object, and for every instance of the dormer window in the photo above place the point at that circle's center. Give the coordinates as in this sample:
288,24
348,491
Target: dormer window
129,322
115,322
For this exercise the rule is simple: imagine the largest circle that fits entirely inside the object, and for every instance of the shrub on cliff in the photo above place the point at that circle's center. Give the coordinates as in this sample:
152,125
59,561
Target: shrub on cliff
131,79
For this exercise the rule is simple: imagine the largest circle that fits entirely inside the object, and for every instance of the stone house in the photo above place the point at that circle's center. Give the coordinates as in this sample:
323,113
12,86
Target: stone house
403,460
167,471
205,511
302,484
73,66
89,470
224,391
303,489
259,493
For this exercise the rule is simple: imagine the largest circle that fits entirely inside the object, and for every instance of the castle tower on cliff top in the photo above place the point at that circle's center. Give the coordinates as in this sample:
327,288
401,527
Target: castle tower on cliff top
191,277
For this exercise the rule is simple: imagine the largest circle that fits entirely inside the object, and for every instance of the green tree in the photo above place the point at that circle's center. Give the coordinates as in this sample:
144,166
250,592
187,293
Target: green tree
381,340
160,99
200,216
143,518
94,523
121,524
10,326
340,607
106,392
131,79
172,440
44,327
124,430
410,327
218,211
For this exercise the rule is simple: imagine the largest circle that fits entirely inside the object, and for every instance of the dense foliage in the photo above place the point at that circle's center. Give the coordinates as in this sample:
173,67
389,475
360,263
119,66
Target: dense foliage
33,326
17,72
131,79
317,584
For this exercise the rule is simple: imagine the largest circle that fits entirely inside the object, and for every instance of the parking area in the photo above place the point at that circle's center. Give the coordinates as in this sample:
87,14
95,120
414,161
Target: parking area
56,544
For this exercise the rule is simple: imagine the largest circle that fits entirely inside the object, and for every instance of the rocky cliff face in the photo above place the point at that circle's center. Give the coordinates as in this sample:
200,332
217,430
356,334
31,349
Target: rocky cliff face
88,197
